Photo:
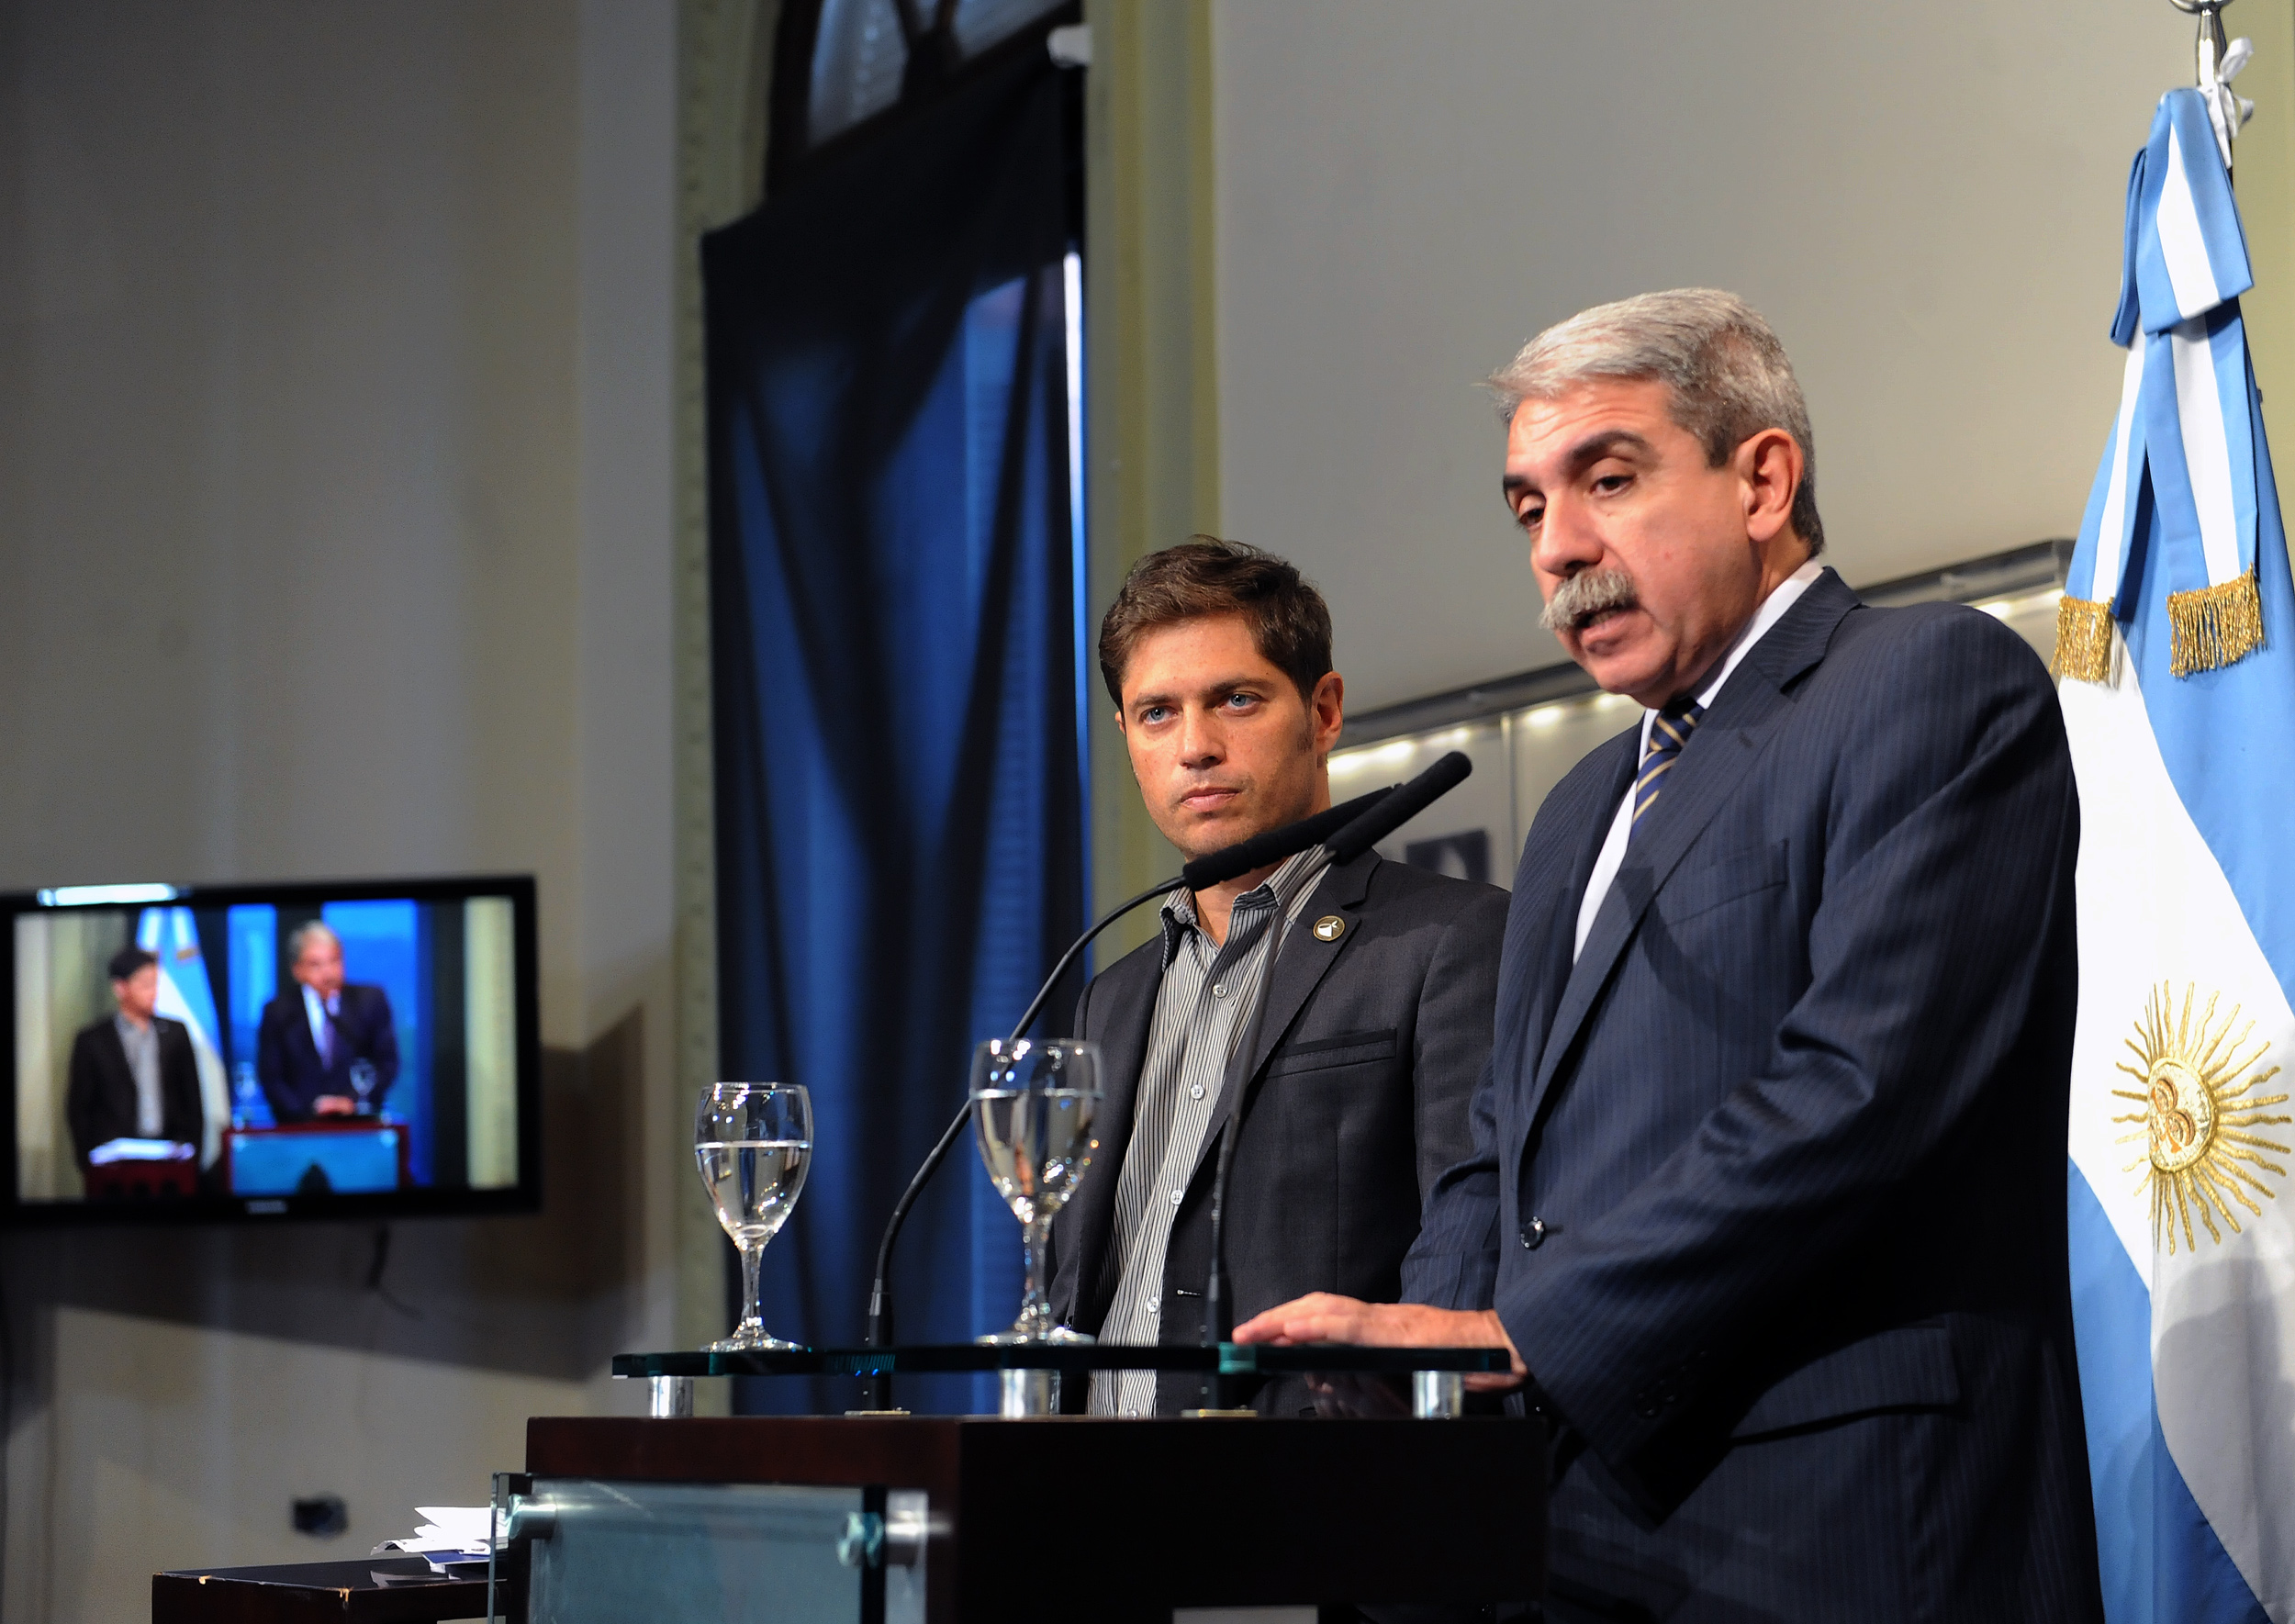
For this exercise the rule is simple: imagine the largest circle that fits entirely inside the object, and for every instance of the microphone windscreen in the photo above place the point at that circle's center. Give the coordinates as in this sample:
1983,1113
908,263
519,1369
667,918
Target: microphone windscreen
1393,810
1274,845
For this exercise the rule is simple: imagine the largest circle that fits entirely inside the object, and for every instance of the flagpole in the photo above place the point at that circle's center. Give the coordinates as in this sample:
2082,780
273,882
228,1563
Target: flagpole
2207,52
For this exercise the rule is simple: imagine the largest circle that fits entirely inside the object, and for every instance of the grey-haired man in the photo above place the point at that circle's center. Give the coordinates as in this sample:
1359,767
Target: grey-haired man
1767,1191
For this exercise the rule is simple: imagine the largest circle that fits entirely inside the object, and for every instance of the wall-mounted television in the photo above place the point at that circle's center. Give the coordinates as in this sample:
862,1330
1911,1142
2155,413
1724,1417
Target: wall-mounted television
366,1048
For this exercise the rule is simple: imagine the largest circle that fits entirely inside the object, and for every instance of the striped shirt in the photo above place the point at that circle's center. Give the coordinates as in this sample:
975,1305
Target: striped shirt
142,1044
1202,1009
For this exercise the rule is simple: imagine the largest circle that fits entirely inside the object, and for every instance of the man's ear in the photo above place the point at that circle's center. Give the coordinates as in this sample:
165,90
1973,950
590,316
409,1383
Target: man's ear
1328,706
1769,470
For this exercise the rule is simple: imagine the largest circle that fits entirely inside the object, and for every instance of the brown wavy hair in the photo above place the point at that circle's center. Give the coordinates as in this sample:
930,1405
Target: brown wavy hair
1290,625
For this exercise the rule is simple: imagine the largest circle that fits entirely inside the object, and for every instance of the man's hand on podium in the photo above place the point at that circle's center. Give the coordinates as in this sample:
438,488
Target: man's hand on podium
1325,1316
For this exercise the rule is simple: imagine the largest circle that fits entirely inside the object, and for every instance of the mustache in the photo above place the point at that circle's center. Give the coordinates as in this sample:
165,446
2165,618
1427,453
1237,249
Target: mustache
1582,596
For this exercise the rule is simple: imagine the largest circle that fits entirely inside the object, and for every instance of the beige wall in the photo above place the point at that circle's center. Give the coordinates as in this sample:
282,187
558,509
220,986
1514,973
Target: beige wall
335,539
1924,195
1151,316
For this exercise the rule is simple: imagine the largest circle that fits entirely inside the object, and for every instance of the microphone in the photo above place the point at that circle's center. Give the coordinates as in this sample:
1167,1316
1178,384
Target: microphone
1376,822
1270,846
1358,835
1276,845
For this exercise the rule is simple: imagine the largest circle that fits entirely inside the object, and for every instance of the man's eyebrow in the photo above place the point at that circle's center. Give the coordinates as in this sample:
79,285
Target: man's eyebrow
1608,443
1586,452
1221,685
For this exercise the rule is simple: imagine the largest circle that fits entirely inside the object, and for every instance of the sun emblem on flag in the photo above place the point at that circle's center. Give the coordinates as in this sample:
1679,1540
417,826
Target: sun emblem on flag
2198,1103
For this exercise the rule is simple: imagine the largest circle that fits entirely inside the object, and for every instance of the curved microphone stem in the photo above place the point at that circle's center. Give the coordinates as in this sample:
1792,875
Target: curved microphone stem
1225,864
880,1301
1036,1005
1218,1311
1218,1301
1361,831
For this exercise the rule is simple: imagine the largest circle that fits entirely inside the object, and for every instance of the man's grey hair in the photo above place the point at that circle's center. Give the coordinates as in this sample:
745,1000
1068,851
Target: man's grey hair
1723,365
300,938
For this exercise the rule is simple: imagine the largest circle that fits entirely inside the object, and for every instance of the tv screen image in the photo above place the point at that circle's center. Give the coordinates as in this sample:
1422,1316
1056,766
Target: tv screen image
259,1051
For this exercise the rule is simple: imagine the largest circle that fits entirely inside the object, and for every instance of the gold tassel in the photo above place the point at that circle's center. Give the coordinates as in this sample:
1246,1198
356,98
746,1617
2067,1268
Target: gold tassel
2083,639
2215,625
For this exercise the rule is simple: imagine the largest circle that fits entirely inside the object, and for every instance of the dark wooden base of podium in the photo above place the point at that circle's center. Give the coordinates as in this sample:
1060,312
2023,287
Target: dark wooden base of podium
1123,1520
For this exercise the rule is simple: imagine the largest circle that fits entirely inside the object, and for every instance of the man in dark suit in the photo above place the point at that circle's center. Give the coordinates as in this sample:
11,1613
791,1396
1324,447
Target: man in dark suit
314,1039
1350,1098
1767,1188
133,1073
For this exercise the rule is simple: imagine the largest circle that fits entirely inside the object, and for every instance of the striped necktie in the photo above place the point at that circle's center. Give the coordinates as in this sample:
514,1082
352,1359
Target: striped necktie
1669,731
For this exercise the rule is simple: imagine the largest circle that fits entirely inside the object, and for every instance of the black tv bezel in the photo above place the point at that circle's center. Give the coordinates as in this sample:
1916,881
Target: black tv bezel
525,1196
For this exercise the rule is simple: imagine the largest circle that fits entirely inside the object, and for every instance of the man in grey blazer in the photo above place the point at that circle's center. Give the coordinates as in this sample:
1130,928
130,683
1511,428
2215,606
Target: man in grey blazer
1365,1039
1767,1193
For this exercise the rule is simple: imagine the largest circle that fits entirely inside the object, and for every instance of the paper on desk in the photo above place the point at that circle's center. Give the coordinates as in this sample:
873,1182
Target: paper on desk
129,1149
447,1532
472,1524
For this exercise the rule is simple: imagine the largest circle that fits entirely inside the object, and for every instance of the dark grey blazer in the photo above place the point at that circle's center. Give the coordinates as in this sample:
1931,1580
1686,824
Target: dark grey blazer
1769,1186
100,1100
1352,1102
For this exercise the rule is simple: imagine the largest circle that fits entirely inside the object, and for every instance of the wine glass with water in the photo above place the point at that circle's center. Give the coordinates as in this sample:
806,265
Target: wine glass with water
1032,1110
754,1141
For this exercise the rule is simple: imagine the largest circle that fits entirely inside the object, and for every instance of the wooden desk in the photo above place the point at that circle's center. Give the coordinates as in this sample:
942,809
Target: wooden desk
306,1592
1127,1519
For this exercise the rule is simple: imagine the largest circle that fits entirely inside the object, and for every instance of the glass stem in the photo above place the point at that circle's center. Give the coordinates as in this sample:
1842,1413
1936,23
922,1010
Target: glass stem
751,1254
1036,1305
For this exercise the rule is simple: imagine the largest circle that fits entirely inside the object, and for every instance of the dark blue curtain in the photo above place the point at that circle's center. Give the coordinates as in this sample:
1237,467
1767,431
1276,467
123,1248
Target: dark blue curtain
896,614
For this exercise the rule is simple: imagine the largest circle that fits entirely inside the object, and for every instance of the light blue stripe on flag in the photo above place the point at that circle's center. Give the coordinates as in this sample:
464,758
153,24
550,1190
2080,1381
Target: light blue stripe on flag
2184,217
2181,1574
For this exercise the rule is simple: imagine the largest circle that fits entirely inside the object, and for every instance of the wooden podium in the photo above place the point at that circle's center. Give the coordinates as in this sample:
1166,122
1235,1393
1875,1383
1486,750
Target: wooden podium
889,1519
1123,1520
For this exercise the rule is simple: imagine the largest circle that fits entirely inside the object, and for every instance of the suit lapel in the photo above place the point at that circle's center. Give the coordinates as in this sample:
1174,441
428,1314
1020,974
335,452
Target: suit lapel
1543,950
1302,960
1746,715
115,1053
1130,988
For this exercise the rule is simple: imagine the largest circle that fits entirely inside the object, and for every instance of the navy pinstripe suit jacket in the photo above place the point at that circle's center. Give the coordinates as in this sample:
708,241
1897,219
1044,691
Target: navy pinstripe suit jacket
1769,1187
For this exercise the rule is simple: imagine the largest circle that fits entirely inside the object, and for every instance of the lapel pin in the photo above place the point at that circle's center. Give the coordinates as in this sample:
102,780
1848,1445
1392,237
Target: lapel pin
1329,928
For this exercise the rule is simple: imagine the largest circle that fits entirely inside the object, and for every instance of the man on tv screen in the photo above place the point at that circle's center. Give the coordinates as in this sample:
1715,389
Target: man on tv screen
327,1048
133,1075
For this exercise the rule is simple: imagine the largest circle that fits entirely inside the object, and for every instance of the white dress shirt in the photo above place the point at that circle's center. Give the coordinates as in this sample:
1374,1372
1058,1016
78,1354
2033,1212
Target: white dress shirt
1781,596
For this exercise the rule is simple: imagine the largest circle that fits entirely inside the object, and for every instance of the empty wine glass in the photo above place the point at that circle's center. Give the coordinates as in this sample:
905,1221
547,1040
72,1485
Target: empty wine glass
363,1083
754,1141
1032,1110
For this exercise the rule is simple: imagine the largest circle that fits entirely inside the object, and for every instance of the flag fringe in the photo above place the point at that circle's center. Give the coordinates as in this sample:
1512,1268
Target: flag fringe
2083,640
2214,625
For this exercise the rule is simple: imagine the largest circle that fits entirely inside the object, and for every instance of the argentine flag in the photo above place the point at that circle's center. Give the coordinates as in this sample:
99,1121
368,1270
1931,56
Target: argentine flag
184,995
2177,641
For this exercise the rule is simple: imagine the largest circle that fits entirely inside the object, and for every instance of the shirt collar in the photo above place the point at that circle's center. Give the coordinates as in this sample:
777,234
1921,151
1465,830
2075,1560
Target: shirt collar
1781,596
1280,891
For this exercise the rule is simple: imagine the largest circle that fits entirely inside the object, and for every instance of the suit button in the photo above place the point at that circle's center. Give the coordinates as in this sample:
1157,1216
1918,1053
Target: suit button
1534,1235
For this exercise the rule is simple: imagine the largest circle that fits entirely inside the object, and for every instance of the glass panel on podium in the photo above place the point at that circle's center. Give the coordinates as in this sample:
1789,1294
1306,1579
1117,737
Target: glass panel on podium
607,1552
